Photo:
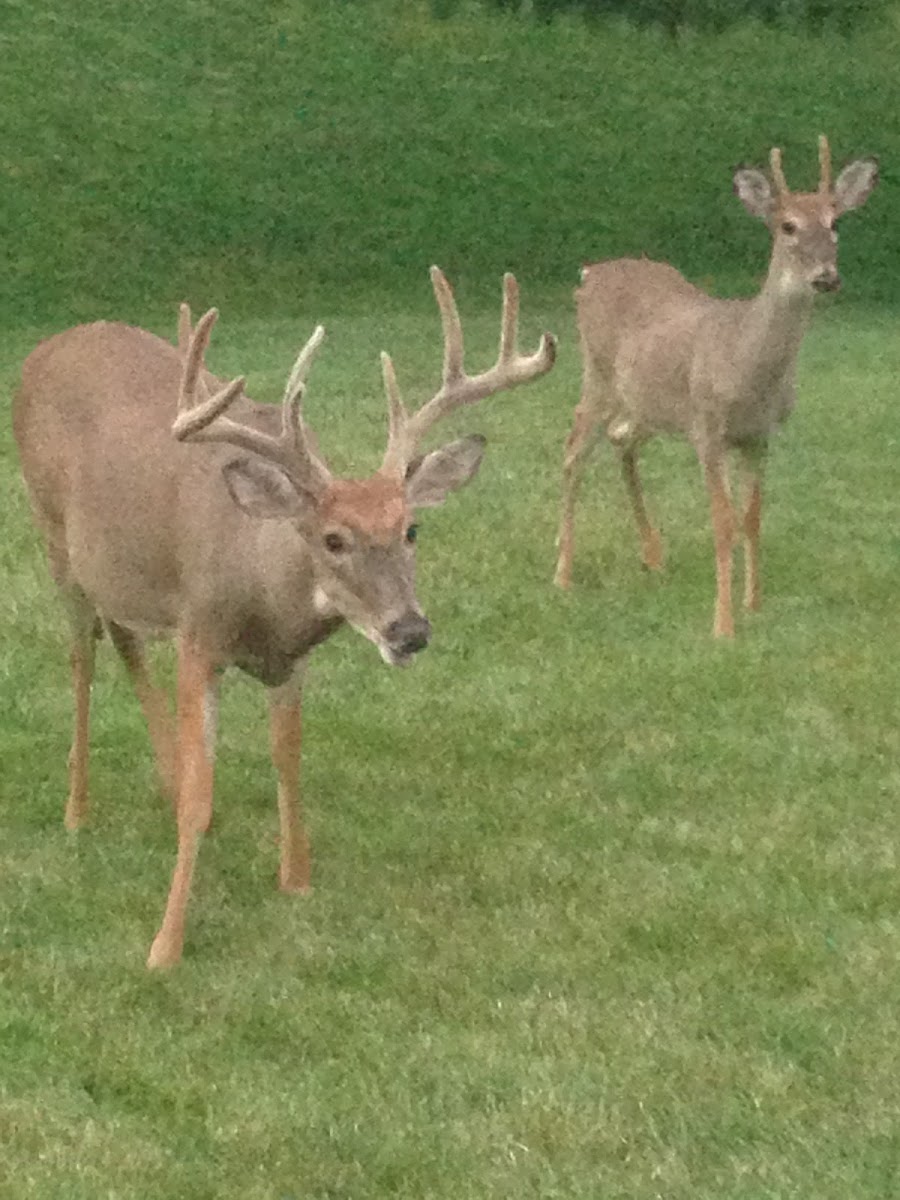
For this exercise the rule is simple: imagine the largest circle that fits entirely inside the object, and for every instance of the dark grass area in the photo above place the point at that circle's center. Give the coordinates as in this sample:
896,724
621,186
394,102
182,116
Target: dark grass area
264,157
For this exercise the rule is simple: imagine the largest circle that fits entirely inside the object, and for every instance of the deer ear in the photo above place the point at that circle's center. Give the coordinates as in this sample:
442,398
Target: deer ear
261,489
446,470
754,191
854,184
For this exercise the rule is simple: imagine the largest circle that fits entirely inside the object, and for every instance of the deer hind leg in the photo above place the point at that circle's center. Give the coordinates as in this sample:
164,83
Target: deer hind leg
752,462
85,632
651,543
716,477
285,727
153,701
579,441
197,715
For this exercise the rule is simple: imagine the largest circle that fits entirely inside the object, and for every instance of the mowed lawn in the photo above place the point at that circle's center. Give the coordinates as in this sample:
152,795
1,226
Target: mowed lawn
602,908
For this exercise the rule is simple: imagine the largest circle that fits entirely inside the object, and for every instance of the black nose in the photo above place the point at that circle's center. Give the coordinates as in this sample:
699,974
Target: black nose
409,634
830,282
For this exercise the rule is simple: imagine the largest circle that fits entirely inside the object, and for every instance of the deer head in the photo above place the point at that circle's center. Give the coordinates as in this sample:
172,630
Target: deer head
804,224
359,533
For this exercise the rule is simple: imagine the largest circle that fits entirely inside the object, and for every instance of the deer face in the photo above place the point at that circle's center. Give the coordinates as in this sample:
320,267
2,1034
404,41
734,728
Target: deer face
804,224
804,230
361,537
365,555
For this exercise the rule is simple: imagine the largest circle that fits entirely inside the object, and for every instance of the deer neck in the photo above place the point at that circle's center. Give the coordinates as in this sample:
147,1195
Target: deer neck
282,618
776,320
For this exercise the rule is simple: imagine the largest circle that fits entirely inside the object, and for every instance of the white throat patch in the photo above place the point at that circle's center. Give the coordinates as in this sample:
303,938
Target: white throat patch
322,603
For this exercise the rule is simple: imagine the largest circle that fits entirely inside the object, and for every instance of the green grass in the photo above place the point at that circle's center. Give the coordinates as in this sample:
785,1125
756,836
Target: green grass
602,908
263,156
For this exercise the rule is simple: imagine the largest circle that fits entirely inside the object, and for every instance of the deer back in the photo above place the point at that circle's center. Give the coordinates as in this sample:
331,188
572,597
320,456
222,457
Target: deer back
637,320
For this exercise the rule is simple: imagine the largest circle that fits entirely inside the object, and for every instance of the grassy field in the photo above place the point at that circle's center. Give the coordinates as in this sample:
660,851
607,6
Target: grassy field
601,908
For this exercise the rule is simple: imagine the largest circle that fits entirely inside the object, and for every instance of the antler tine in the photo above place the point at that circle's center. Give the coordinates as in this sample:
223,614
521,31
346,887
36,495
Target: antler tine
293,427
396,457
300,369
458,388
184,327
509,325
292,401
824,164
454,349
193,417
778,178
196,350
204,422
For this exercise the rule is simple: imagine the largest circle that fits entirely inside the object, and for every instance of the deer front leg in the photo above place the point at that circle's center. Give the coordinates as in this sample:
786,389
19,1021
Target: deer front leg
154,703
82,619
715,475
577,444
197,716
285,728
82,660
651,543
752,462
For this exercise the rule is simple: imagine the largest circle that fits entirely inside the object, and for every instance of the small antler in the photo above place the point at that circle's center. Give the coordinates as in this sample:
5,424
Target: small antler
202,421
824,165
184,328
778,178
458,388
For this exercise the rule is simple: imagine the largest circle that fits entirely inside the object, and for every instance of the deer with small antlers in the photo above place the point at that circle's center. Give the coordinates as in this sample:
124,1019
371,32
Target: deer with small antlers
248,560
661,356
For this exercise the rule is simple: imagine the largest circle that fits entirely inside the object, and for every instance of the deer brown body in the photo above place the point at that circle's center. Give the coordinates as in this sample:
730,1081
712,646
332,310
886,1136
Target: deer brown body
660,356
140,528
248,561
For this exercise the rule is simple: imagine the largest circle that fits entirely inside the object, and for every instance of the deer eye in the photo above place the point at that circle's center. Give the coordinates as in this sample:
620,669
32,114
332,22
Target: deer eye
412,533
788,226
334,543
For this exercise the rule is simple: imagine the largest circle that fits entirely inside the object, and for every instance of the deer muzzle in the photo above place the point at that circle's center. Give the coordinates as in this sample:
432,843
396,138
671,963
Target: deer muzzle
827,280
405,637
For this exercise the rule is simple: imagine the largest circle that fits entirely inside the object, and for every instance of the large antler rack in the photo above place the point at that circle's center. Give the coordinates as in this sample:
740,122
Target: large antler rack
406,430
202,420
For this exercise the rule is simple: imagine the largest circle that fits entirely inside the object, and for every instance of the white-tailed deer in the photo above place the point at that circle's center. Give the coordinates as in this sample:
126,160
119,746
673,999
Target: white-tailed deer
249,560
661,356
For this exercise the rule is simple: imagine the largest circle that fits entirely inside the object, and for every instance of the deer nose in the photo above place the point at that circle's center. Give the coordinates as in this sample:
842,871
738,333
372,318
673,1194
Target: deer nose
827,280
409,634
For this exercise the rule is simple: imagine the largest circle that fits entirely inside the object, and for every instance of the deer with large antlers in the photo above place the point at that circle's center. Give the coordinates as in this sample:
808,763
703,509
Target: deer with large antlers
661,356
249,559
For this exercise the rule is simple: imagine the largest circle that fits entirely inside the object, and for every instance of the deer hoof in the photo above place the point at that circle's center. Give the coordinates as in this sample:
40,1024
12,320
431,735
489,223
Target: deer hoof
653,552
297,885
163,954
